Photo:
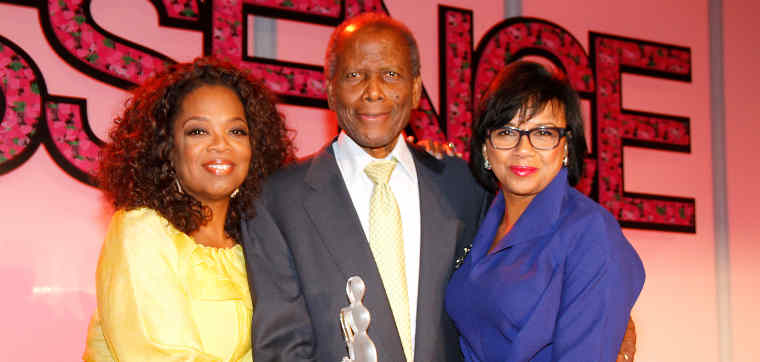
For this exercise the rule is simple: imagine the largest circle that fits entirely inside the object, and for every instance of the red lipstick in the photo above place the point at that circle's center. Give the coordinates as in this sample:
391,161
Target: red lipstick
523,171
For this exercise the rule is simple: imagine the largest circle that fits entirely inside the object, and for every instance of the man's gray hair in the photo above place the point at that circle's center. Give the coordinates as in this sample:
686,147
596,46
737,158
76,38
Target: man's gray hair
371,19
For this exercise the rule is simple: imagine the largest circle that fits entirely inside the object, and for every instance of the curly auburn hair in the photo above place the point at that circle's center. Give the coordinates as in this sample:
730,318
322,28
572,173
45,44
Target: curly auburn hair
136,169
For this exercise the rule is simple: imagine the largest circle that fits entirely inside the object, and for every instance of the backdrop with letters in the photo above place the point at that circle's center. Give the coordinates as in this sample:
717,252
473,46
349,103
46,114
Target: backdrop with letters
66,65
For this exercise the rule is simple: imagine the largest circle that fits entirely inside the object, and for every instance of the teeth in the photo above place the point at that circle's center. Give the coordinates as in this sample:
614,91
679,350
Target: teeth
220,167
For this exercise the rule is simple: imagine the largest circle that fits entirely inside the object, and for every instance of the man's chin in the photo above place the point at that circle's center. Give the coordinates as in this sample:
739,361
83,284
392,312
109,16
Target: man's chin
377,148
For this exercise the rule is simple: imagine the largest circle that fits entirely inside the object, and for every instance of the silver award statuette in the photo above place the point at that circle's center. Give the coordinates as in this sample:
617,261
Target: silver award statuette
354,320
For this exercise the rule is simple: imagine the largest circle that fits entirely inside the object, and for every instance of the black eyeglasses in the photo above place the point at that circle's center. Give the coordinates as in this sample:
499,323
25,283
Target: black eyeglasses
541,138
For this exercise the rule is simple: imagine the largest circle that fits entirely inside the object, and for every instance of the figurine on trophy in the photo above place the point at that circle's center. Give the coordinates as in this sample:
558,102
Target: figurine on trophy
355,319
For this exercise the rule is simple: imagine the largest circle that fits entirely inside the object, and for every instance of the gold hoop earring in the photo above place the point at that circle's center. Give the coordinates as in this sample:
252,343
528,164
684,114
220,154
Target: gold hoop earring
179,187
235,193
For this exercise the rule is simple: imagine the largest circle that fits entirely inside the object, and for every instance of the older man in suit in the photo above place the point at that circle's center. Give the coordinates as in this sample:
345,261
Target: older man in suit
368,205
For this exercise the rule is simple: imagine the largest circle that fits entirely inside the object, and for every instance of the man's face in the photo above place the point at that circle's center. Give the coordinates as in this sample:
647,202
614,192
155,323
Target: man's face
373,90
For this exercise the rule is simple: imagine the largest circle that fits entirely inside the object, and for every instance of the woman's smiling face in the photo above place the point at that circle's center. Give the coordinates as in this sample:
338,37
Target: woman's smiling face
212,149
524,171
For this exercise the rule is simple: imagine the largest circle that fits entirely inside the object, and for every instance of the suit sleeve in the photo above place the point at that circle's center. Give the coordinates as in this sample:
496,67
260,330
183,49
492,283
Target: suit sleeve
603,276
282,328
143,307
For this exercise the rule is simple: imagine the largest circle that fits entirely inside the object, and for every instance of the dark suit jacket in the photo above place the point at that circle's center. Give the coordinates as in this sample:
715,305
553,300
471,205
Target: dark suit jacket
306,241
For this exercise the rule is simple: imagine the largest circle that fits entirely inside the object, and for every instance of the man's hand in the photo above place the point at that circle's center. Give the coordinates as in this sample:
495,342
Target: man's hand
435,148
628,347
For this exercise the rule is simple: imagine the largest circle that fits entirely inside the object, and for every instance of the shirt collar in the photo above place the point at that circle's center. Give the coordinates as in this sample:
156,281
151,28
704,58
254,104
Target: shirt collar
353,159
537,219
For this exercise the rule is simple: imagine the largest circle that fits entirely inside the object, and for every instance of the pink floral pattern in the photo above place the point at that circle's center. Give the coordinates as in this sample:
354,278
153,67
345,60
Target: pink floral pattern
458,57
652,213
424,122
585,184
282,79
528,33
62,128
316,7
356,7
294,81
506,40
73,31
66,133
614,126
182,9
64,121
21,90
227,44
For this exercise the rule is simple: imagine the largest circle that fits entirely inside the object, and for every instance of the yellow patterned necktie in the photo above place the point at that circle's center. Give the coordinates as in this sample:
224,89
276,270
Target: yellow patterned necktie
386,239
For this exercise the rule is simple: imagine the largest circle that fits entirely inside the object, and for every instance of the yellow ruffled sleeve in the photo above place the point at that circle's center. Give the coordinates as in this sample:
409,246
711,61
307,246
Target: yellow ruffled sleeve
143,306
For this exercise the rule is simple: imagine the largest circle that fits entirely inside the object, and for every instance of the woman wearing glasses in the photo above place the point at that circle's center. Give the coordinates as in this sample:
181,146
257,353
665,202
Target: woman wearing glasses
550,276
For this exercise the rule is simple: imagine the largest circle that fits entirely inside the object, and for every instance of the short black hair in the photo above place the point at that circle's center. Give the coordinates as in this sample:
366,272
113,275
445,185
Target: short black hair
524,89
367,20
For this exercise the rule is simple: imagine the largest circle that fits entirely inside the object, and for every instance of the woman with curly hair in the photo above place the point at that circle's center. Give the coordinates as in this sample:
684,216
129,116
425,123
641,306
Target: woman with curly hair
186,159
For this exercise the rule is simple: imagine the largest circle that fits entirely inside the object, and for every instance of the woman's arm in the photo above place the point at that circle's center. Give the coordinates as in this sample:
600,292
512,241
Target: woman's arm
144,309
603,276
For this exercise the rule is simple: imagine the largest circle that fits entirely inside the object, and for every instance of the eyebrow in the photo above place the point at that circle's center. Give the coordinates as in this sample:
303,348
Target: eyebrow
546,124
204,119
517,124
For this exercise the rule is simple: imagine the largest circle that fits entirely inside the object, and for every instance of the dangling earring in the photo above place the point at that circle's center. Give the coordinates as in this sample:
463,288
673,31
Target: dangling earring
235,193
564,161
179,187
486,164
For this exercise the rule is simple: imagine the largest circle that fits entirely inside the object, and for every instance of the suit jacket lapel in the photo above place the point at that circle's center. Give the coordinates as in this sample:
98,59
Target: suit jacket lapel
439,230
330,208
332,213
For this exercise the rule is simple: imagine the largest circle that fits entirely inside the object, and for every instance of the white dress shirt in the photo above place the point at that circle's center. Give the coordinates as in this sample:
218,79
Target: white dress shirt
352,160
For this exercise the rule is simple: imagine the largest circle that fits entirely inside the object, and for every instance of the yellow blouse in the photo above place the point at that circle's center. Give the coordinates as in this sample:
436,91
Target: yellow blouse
161,296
